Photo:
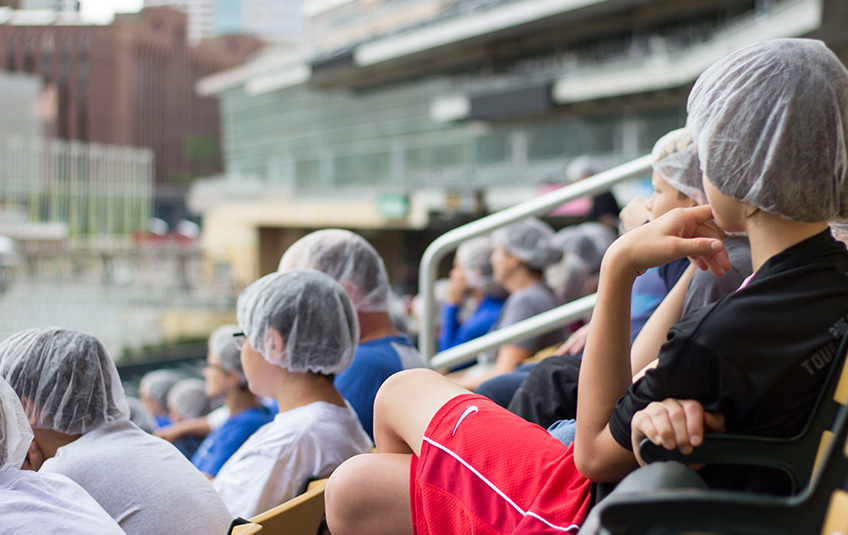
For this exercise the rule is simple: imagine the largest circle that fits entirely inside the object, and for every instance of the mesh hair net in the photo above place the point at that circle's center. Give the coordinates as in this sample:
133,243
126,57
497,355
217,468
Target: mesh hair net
839,229
188,398
140,416
348,258
66,379
771,125
568,278
589,241
312,313
158,383
530,240
15,433
474,256
222,345
675,158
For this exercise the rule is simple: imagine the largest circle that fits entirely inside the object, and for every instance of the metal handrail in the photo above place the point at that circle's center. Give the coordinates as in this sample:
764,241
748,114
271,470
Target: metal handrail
545,322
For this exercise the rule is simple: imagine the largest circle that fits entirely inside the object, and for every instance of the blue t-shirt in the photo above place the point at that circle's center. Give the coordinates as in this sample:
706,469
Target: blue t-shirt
163,420
649,289
453,334
373,363
224,441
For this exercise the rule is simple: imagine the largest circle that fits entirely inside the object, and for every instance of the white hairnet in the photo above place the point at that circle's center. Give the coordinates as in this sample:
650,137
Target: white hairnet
15,433
312,313
188,398
349,259
568,278
158,383
530,240
839,228
222,345
589,241
66,379
140,416
675,158
771,125
474,256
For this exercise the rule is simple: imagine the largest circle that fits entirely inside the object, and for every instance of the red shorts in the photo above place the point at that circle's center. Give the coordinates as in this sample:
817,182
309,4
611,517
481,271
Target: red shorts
484,470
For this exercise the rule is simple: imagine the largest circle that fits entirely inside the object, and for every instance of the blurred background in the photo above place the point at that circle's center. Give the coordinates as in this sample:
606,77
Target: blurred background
157,159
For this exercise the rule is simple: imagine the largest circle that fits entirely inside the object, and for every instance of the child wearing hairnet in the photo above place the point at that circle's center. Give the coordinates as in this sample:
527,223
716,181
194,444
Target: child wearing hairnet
72,395
470,279
187,400
771,125
153,392
299,330
520,254
382,349
224,377
549,392
33,502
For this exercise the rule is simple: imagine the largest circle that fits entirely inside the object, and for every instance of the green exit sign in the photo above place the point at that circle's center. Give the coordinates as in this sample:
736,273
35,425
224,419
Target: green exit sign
393,206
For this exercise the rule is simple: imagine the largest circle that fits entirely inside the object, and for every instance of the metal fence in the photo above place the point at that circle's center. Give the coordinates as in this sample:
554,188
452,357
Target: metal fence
92,189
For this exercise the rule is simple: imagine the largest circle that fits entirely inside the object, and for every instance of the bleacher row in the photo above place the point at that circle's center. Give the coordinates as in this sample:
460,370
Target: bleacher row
751,390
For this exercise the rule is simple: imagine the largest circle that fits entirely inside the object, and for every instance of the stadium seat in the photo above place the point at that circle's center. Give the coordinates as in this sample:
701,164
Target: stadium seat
797,456
246,529
302,515
821,508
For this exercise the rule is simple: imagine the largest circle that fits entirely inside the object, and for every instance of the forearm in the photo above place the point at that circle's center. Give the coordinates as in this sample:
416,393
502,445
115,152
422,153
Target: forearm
605,369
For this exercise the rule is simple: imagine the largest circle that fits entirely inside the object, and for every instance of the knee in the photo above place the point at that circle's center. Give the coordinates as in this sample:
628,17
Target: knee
340,496
398,387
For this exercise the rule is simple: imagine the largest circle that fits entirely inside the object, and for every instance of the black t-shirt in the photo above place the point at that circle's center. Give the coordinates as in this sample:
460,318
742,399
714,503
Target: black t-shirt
759,355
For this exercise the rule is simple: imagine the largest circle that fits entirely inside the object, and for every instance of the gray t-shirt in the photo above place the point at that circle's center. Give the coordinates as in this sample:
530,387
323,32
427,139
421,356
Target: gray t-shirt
527,303
142,481
706,288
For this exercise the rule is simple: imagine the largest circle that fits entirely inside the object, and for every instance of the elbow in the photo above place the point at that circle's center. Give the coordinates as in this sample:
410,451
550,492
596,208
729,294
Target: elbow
595,466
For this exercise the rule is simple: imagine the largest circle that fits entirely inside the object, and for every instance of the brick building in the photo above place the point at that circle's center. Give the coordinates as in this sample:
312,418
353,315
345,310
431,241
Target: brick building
131,83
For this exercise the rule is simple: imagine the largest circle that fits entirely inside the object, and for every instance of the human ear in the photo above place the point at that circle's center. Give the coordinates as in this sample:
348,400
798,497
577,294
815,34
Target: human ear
274,344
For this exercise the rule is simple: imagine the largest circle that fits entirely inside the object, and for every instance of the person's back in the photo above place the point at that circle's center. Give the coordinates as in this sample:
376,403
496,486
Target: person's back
300,329
75,398
35,502
32,502
299,444
142,481
375,361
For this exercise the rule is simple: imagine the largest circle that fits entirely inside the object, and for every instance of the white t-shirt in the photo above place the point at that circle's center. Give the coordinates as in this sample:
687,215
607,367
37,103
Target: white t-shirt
274,464
32,502
142,481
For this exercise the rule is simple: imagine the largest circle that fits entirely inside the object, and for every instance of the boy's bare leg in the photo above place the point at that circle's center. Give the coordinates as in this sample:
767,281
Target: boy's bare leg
405,404
369,494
